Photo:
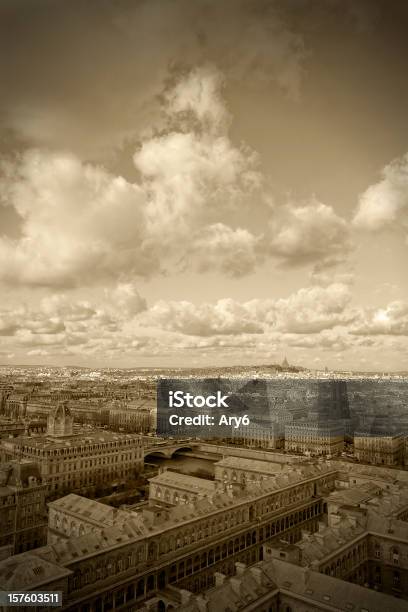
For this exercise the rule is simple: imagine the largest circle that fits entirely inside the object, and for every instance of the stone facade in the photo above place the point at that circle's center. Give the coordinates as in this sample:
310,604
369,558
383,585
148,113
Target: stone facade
23,517
77,462
379,448
238,470
170,488
314,437
256,435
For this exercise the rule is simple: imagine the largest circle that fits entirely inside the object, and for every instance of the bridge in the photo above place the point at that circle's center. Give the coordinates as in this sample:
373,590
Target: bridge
168,450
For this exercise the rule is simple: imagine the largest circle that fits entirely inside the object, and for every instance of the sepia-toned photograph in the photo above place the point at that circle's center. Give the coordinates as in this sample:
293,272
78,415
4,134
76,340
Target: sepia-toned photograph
204,305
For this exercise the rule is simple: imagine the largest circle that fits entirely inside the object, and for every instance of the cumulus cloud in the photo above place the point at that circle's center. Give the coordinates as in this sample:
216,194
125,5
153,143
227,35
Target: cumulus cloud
62,323
313,309
55,103
83,225
61,307
235,252
193,206
126,300
308,311
79,223
309,233
391,320
385,204
191,179
326,340
316,318
225,317
38,353
199,97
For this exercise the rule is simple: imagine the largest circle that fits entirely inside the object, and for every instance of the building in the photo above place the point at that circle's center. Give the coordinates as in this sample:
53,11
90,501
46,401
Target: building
171,488
11,428
364,539
268,545
239,470
70,462
74,515
362,547
14,405
259,435
183,546
314,437
23,516
130,419
379,447
275,585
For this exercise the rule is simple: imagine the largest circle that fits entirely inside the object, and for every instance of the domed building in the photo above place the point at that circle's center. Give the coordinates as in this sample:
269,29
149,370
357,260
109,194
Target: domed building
78,460
60,423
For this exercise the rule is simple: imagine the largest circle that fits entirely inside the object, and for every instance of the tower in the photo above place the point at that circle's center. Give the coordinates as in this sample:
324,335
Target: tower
285,364
60,423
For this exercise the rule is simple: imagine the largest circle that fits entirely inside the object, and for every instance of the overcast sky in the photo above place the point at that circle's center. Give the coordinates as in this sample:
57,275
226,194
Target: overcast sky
204,182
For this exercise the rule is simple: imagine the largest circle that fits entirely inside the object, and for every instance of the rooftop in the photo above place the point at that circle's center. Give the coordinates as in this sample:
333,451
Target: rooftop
27,571
250,465
184,481
355,495
90,510
242,591
81,439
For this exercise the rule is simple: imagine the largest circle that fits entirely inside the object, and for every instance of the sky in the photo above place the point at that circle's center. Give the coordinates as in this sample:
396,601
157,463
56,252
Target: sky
204,183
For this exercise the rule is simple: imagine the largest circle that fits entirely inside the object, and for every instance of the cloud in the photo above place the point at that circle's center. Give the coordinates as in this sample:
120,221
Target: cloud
125,300
79,223
308,311
199,97
191,179
194,207
309,233
385,204
38,353
225,317
327,340
235,252
55,103
313,309
391,320
312,319
82,225
61,307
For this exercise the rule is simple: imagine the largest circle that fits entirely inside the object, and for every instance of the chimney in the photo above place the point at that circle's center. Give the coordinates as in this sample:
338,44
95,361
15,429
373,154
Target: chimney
219,579
202,602
235,583
185,596
257,573
239,568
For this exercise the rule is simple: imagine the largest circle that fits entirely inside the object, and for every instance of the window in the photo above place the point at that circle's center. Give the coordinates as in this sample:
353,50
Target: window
396,579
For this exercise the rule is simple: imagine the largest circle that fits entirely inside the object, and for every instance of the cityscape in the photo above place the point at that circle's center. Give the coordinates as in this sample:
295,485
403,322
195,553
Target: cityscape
306,509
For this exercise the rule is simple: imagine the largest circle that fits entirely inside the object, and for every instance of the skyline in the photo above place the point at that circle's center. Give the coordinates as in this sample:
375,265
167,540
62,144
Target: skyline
197,185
